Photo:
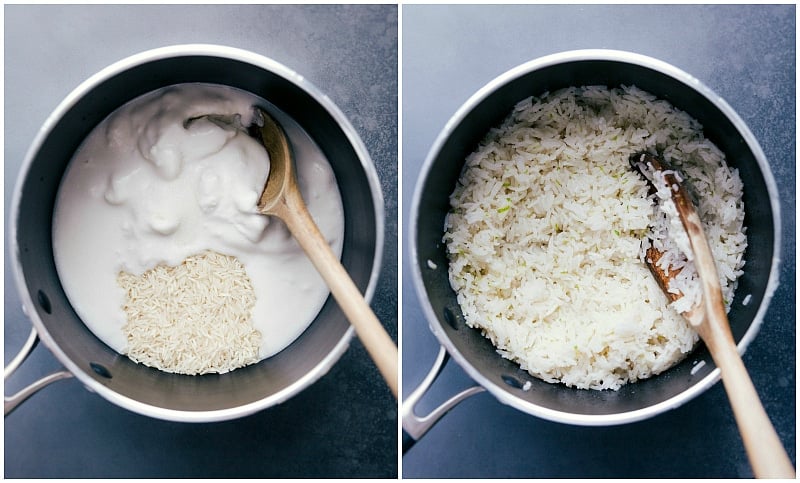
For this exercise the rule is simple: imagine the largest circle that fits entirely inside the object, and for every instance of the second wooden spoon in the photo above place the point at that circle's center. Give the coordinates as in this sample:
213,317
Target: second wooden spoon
764,449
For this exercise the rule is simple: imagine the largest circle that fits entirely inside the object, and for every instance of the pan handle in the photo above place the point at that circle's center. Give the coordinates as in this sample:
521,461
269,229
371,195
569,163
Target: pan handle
11,402
414,427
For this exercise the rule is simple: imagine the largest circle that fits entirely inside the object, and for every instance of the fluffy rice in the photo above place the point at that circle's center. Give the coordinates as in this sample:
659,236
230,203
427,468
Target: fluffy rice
549,224
193,318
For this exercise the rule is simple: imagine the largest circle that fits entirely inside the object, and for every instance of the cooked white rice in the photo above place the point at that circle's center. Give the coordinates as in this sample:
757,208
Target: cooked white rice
545,235
193,318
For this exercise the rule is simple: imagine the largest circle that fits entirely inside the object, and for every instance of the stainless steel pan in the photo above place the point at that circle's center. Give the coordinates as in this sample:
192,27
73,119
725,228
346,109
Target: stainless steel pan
313,123
475,354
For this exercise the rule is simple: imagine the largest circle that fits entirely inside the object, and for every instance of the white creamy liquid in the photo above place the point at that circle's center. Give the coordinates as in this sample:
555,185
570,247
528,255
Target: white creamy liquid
143,190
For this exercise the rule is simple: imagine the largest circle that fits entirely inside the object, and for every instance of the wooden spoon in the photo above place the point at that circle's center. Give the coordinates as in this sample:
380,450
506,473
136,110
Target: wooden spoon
282,198
764,449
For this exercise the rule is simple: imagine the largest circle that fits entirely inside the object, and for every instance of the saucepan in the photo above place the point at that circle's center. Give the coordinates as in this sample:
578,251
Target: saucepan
313,123
474,353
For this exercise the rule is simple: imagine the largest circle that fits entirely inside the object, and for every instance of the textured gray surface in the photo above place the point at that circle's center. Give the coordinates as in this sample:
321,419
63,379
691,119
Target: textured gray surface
342,426
746,54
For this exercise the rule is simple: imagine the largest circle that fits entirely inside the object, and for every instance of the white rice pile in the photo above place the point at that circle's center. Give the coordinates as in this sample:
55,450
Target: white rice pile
545,235
193,318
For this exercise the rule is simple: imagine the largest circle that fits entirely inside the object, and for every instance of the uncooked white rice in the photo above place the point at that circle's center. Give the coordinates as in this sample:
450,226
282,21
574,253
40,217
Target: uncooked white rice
549,224
193,318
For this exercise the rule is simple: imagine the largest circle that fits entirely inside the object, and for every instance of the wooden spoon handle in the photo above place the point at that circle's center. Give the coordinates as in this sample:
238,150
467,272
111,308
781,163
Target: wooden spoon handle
292,210
764,449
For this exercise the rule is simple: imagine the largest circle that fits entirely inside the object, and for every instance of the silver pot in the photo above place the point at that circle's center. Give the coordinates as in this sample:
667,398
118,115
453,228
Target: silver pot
313,123
475,354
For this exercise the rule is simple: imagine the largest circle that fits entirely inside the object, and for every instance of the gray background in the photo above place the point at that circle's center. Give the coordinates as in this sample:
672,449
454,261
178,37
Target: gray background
746,54
345,425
